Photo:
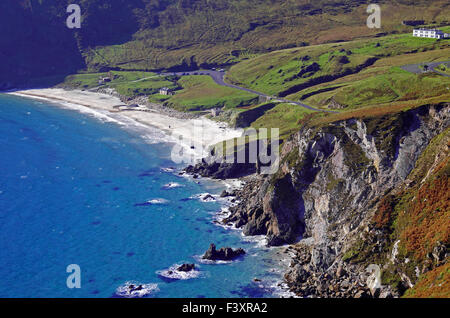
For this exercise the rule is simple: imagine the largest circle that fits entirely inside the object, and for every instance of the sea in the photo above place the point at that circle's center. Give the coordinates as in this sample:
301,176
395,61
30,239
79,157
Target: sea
92,206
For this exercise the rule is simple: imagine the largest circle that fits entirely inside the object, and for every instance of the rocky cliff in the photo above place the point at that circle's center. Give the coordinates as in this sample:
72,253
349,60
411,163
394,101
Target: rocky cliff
327,195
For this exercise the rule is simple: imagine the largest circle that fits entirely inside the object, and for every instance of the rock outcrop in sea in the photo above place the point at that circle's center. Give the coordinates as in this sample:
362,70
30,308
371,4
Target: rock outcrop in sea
186,267
223,254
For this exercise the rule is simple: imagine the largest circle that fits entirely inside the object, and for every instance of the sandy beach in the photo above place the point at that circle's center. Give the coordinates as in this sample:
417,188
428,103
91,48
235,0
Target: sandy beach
195,135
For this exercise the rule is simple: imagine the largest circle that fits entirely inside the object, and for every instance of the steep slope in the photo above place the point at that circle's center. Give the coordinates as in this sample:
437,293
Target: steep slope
35,43
328,190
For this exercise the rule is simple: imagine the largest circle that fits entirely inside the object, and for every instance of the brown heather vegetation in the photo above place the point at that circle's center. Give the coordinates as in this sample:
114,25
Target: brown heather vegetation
434,284
384,214
418,215
428,218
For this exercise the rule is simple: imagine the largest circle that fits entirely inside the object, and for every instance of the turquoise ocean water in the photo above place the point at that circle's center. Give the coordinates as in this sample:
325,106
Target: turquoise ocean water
78,189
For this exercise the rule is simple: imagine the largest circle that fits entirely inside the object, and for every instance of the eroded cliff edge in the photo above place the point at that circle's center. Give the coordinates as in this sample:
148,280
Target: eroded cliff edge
336,197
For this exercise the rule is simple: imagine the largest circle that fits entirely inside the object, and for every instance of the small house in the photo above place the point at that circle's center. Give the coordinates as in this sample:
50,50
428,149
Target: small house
430,33
166,91
264,99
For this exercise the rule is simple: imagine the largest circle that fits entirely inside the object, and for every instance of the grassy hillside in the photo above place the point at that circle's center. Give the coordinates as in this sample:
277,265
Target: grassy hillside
393,84
201,93
130,84
154,34
289,72
200,32
337,76
288,118
192,93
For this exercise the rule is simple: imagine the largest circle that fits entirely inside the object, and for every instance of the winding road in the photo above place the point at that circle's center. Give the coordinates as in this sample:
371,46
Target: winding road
218,77
415,68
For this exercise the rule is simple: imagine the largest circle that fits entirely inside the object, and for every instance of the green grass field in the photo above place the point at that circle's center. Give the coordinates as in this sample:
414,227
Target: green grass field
287,117
144,87
394,84
200,92
130,84
275,72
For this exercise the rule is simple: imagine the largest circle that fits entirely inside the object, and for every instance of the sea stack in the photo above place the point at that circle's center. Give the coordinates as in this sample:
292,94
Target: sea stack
223,254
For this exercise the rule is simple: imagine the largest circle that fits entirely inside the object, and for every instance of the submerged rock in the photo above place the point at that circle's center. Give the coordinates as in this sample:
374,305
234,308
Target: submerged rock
225,194
208,197
223,254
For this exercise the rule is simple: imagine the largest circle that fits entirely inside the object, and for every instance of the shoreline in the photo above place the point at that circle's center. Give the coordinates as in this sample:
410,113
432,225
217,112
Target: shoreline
104,103
194,135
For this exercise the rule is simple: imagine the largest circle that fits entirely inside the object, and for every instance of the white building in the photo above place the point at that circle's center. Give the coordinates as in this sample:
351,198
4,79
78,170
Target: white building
166,91
103,80
430,33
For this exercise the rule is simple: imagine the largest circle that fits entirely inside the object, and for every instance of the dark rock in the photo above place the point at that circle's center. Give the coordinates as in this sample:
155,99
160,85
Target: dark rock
223,254
186,268
343,60
215,168
208,197
296,275
133,288
340,272
225,194
306,58
333,104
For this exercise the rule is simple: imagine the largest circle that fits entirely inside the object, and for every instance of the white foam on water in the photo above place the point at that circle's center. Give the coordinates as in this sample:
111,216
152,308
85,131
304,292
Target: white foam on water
201,197
149,134
168,169
218,218
137,291
259,240
172,185
158,201
280,289
199,258
173,273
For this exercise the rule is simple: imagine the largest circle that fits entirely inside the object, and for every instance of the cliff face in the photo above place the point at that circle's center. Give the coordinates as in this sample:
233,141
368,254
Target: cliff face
327,191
